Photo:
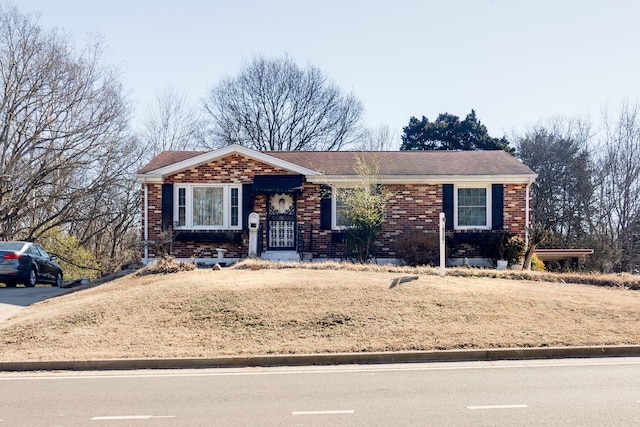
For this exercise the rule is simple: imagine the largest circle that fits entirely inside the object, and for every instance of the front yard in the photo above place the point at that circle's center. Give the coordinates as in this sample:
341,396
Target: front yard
207,313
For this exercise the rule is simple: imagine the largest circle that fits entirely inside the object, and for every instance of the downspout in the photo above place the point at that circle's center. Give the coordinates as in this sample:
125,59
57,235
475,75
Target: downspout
146,222
527,208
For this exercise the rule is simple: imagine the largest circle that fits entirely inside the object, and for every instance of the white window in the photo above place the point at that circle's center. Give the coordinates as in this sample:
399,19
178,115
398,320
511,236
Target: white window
472,207
208,206
182,207
339,221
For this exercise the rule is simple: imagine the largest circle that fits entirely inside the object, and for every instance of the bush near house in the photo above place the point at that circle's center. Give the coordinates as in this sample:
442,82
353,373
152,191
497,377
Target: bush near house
503,245
423,248
418,248
166,265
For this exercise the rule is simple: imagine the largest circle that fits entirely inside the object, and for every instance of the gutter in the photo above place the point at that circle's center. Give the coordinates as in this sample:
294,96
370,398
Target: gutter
425,179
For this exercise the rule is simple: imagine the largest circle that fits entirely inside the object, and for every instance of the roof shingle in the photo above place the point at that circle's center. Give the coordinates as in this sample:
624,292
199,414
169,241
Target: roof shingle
403,163
495,162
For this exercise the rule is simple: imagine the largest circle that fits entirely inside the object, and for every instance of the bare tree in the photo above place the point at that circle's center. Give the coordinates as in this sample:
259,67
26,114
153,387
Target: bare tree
559,152
380,138
63,131
619,183
171,122
274,105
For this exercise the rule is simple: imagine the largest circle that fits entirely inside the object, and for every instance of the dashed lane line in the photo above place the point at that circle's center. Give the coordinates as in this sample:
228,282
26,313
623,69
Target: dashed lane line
334,412
130,417
497,407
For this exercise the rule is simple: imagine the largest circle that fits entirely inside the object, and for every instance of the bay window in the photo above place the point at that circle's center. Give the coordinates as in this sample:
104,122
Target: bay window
207,206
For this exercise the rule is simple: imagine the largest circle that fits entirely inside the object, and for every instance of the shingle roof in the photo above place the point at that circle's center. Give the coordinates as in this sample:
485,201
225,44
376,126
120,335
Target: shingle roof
496,162
405,163
167,158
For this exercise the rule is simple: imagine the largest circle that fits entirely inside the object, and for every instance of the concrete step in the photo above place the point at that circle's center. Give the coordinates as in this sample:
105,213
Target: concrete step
280,256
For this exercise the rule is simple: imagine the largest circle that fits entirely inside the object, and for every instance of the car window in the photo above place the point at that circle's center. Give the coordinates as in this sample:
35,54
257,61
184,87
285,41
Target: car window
11,246
41,251
32,250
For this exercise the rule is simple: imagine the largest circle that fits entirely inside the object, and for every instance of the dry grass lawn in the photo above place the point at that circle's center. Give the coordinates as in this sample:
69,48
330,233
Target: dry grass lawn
206,313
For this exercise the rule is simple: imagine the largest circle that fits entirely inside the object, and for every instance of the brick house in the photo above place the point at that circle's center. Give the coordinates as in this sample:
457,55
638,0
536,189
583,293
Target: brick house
195,202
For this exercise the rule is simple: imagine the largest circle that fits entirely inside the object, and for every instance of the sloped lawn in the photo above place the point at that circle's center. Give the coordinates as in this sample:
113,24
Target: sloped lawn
236,311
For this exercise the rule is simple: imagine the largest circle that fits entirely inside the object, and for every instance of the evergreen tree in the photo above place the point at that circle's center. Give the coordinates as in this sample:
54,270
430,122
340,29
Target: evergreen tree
449,133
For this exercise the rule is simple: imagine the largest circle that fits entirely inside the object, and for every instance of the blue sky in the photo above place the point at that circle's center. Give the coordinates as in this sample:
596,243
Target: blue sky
515,62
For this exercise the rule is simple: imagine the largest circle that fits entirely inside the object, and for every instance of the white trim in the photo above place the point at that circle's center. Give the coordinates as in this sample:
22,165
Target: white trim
226,206
527,212
149,179
146,223
488,210
425,179
334,211
210,156
334,206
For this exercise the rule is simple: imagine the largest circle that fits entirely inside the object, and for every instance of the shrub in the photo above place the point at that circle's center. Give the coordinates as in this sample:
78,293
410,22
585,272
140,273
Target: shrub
503,245
537,264
76,260
165,265
418,248
513,250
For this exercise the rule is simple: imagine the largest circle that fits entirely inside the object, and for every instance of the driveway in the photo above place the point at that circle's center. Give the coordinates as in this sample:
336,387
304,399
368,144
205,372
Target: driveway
12,300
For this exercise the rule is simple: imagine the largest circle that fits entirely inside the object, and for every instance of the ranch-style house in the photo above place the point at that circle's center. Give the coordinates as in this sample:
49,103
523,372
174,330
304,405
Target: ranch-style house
235,202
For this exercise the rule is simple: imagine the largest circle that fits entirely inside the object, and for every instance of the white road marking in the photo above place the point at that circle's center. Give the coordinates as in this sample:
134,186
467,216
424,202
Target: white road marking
497,407
131,417
342,411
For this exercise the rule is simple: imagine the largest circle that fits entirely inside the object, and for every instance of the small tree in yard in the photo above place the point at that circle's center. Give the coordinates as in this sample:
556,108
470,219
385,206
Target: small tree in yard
364,208
537,235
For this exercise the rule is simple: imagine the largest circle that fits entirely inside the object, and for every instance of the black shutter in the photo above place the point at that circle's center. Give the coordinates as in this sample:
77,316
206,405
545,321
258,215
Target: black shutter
497,206
325,207
447,204
247,205
167,206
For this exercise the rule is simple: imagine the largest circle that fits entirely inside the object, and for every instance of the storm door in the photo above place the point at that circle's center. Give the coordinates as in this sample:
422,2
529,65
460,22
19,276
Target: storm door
281,222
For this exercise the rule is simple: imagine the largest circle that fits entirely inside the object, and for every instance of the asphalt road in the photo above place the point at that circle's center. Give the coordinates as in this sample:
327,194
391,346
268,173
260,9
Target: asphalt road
585,392
12,300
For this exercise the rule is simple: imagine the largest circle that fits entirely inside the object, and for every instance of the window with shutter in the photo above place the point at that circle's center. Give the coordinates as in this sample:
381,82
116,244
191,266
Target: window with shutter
208,206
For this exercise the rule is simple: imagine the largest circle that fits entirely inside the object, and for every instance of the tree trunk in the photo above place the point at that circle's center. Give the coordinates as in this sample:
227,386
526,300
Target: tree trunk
537,235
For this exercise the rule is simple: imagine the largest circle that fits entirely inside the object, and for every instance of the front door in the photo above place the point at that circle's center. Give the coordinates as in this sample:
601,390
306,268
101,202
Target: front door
281,222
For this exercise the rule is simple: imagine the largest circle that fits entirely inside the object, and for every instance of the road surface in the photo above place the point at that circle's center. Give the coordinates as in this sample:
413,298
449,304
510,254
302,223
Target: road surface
584,392
12,300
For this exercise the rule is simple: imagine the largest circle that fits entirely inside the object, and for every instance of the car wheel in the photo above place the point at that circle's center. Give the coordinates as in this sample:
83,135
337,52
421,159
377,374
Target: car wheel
31,279
58,280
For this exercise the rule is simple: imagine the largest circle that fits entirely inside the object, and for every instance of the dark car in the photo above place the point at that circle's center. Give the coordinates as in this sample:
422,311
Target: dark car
27,263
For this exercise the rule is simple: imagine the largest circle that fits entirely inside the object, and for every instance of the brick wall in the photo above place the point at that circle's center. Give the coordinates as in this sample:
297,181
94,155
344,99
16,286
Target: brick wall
233,169
515,208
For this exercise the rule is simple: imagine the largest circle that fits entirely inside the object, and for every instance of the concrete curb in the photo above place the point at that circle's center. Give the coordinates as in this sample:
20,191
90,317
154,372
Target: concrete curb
328,359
